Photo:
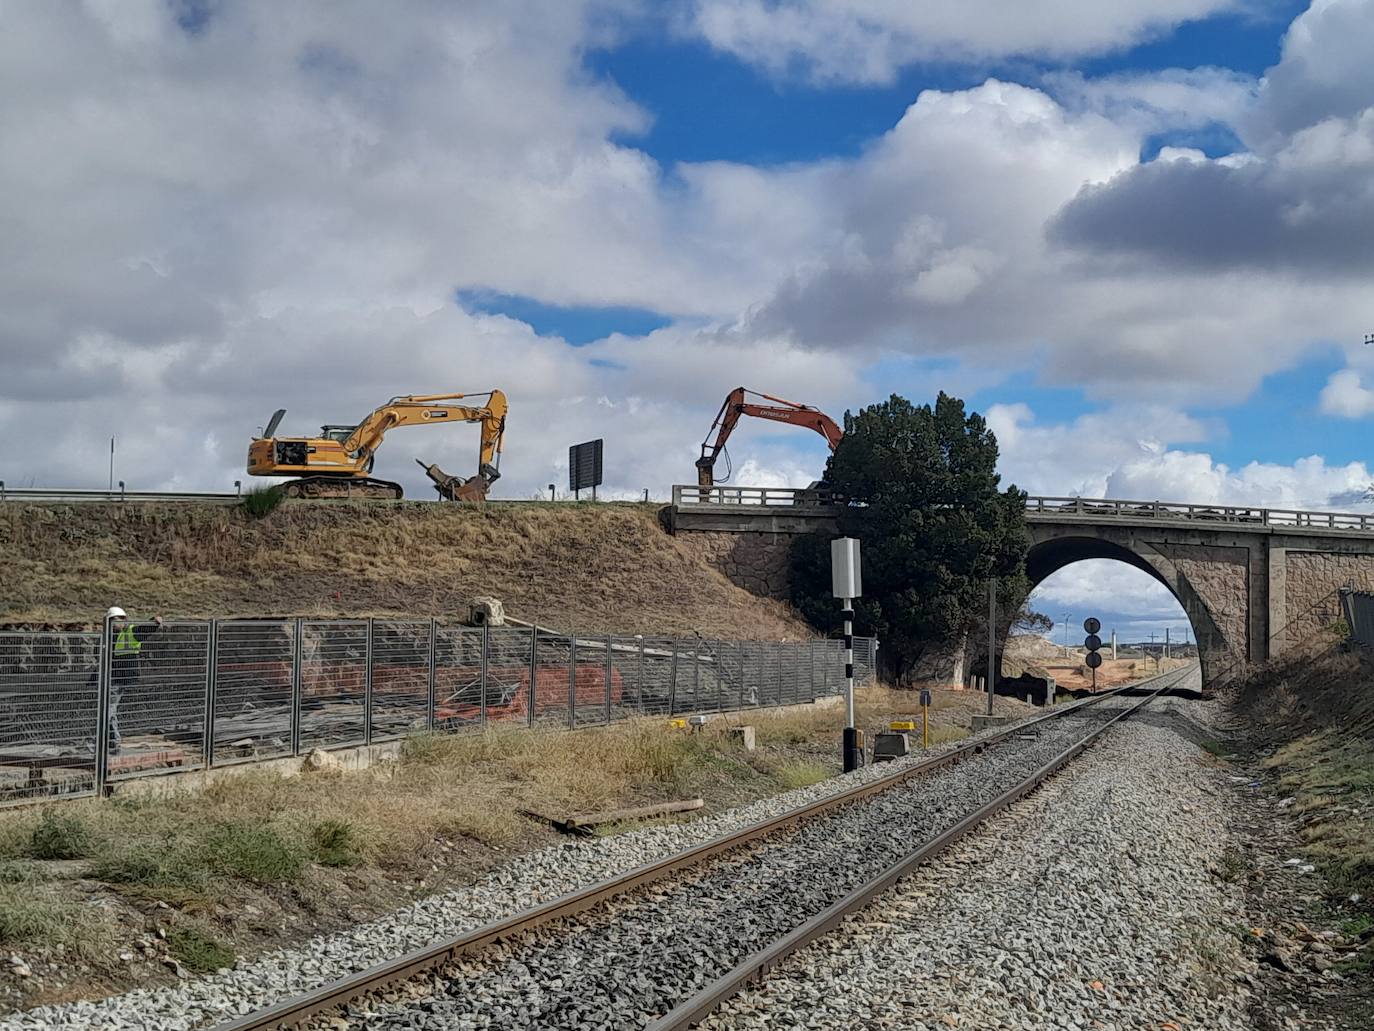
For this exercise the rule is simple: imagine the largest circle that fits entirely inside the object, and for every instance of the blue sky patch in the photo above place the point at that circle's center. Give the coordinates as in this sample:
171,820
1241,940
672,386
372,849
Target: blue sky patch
578,325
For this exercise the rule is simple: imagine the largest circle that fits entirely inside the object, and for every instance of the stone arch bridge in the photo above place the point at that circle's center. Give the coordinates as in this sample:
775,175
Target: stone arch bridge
1253,581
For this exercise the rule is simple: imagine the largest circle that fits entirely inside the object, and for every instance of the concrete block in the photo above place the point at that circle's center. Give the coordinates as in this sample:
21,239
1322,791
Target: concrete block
744,736
982,722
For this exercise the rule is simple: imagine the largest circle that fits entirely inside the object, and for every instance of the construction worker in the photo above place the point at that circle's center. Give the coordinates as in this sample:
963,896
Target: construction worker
124,663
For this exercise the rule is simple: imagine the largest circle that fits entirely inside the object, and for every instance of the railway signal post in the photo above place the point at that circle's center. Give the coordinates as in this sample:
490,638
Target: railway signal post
847,584
1092,642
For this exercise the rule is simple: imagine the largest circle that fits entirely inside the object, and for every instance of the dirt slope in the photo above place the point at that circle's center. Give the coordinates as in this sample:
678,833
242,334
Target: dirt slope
591,568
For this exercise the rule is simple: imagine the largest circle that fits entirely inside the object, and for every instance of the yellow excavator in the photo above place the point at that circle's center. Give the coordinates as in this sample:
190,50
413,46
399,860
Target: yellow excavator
338,463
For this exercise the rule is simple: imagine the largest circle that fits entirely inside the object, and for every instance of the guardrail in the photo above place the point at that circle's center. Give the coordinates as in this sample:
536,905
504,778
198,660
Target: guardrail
688,496
1106,508
119,493
735,497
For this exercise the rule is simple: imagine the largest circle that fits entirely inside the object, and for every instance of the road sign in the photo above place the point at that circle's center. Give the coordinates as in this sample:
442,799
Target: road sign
1094,660
1092,625
584,466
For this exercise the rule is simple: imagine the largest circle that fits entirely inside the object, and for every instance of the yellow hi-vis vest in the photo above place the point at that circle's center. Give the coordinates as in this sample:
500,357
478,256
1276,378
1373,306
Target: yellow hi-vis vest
126,643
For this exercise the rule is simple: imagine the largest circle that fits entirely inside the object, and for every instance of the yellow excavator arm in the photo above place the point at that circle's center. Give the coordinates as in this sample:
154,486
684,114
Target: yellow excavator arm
421,409
337,463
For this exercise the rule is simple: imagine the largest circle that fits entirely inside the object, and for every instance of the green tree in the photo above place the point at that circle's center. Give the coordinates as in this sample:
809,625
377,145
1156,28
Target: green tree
924,497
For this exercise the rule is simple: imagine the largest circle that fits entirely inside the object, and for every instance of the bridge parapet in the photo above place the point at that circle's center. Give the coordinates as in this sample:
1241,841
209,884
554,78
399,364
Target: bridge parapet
1258,520
807,509
753,509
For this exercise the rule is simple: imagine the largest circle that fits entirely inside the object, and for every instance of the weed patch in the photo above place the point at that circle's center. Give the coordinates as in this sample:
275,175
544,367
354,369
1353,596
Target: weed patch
58,836
800,774
257,854
200,951
335,843
25,917
260,502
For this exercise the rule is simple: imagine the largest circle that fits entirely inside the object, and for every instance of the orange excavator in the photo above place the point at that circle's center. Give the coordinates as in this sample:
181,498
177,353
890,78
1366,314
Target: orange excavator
738,403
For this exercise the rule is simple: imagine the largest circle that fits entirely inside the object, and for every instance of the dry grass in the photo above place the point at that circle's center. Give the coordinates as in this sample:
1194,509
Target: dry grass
594,568
1331,775
341,846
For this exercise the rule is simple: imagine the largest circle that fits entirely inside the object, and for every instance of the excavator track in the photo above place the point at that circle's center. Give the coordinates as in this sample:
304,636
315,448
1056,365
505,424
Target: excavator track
361,489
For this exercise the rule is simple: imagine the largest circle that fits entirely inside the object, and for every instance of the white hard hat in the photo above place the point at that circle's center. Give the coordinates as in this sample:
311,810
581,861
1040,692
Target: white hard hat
114,612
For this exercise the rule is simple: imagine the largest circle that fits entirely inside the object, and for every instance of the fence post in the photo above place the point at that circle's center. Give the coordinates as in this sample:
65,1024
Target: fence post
639,677
102,706
572,680
433,685
297,661
811,662
211,673
367,686
696,674
672,680
482,684
534,669
608,679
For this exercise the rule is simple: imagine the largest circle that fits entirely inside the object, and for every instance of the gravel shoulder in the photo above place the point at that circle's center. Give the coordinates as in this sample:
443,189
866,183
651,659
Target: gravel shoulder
1097,902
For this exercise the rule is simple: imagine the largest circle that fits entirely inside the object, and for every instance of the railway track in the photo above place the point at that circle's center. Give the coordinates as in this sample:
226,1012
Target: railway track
662,946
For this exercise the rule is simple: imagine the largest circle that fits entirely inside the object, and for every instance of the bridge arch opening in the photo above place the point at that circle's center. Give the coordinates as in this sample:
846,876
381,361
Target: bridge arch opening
1075,576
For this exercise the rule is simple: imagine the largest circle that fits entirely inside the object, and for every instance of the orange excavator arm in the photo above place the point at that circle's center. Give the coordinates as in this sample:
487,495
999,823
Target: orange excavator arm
737,403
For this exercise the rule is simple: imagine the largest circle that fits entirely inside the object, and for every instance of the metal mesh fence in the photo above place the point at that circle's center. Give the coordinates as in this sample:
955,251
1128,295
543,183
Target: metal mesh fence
254,690
1358,609
333,684
157,697
186,695
48,714
400,678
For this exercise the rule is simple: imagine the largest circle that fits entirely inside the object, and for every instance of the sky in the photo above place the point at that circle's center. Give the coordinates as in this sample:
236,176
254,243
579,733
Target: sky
1138,235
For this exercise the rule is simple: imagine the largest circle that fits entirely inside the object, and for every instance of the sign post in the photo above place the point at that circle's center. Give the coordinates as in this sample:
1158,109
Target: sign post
847,584
925,717
584,468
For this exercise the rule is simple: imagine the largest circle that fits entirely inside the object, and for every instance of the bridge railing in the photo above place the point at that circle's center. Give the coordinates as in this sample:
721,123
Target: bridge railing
791,497
1111,508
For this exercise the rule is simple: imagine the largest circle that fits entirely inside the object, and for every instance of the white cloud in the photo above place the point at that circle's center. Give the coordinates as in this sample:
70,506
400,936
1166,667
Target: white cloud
1131,454
1123,598
1345,395
869,41
278,207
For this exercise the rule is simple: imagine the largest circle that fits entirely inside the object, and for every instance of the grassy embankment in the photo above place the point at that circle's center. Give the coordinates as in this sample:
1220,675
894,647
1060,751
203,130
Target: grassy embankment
604,568
258,860
1311,714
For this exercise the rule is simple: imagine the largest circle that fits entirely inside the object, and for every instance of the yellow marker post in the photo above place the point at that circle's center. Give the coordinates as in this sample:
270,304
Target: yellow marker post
925,718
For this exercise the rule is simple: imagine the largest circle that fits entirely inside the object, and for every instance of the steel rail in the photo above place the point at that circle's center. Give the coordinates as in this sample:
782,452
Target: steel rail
687,1014
292,1012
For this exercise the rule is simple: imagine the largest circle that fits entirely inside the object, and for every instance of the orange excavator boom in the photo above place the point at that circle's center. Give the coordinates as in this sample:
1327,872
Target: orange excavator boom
738,403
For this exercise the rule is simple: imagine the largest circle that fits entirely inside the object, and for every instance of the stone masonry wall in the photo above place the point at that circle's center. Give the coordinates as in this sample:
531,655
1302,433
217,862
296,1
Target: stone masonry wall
1313,580
1220,579
758,562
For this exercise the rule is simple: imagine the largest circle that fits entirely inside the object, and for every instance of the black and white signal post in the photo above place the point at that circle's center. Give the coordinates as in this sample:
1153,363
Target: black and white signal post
847,584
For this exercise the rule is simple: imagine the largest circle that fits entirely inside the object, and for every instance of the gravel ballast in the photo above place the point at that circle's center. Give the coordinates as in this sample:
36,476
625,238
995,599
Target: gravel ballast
524,882
1088,904
624,963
